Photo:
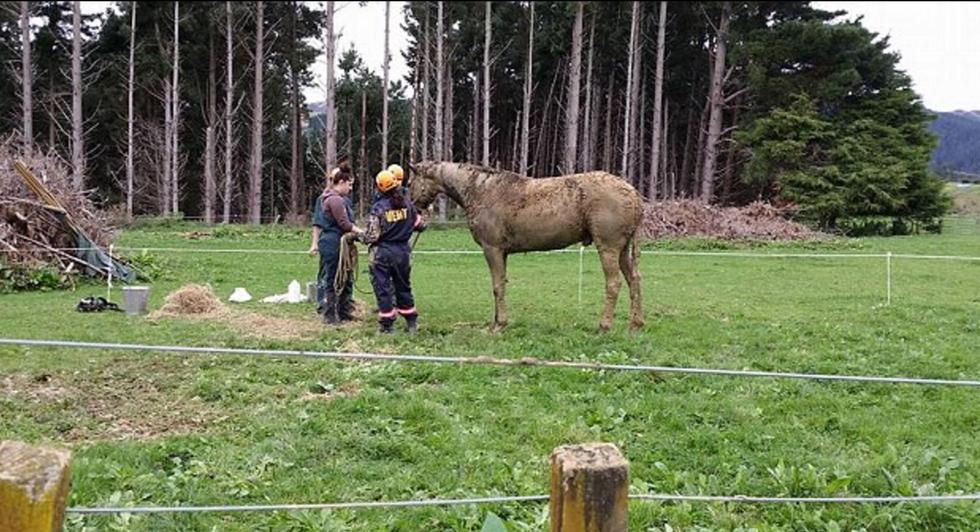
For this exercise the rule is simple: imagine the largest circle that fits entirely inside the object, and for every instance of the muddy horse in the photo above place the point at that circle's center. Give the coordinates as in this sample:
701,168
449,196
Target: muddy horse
508,213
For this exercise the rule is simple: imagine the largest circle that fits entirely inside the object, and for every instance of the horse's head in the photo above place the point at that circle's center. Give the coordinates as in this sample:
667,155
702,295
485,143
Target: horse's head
425,183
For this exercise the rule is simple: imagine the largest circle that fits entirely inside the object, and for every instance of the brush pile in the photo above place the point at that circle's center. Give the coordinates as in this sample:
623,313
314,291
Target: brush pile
31,234
689,218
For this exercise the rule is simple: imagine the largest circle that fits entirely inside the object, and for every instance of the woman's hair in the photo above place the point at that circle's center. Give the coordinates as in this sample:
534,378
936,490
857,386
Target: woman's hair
397,198
342,174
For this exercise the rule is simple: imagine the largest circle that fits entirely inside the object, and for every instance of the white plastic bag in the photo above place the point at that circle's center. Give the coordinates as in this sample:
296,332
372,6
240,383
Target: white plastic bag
240,295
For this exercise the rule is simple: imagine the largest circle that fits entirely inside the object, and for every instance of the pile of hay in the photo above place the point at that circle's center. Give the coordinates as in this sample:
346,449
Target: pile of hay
192,299
200,302
689,218
29,232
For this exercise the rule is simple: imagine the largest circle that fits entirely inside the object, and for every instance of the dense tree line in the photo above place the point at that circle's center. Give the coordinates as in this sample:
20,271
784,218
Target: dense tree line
725,102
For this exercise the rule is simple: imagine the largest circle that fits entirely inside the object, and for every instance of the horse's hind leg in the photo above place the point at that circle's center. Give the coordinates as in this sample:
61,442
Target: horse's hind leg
609,257
628,258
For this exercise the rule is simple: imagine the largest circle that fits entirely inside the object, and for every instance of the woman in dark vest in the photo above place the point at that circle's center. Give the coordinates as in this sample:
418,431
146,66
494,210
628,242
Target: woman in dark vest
332,218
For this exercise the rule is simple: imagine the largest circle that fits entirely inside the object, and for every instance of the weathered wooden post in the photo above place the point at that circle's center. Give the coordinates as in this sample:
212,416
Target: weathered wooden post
589,489
33,487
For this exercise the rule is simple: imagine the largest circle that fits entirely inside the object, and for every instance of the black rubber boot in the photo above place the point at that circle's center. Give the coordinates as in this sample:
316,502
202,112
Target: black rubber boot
412,324
330,310
386,327
345,307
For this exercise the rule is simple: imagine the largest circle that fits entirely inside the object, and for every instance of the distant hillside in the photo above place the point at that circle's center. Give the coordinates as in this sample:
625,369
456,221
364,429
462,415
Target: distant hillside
959,141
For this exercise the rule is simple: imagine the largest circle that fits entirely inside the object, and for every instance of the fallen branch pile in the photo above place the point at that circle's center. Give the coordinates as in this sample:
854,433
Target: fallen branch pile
31,235
689,218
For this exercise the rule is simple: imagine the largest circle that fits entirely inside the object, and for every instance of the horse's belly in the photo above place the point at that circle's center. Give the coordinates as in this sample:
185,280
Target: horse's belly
544,235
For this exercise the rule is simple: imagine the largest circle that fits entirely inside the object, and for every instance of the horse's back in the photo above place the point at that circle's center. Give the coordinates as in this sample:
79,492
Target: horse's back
599,205
607,198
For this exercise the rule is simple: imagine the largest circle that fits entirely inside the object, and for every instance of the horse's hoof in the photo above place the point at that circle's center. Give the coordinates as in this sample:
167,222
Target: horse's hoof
603,328
636,326
499,327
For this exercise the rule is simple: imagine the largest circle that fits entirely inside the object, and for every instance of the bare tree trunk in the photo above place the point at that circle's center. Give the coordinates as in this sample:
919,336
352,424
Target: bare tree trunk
255,176
175,131
607,140
27,69
717,102
638,135
475,120
528,80
486,90
229,94
515,138
587,132
77,134
658,86
295,152
541,154
686,163
209,139
635,143
662,162
447,151
693,185
553,160
129,115
595,125
427,86
413,134
384,90
168,125
571,103
330,101
730,157
365,165
440,87
625,169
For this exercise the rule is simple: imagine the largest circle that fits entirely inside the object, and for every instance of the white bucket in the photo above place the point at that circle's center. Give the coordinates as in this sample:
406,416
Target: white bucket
135,298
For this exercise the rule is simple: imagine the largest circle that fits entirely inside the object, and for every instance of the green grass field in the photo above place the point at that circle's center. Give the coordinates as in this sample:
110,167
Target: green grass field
162,429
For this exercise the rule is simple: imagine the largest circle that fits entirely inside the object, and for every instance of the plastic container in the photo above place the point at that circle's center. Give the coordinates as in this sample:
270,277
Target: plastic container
135,298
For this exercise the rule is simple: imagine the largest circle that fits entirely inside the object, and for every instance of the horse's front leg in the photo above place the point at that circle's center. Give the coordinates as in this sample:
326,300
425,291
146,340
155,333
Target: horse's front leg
497,261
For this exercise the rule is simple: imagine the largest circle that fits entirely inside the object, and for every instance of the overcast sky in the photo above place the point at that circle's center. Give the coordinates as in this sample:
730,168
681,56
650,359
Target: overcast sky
939,43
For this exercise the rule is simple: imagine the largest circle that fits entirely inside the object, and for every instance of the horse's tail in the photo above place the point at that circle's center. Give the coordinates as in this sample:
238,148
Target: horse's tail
634,244
635,249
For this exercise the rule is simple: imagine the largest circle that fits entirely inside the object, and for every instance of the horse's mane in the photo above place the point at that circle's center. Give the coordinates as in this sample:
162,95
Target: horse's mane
505,175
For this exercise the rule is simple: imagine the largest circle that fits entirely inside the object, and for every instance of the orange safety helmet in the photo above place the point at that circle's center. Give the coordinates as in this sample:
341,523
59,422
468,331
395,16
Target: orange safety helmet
398,172
386,181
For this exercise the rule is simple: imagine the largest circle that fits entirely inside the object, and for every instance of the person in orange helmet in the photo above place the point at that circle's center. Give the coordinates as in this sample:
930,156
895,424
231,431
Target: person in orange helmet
390,224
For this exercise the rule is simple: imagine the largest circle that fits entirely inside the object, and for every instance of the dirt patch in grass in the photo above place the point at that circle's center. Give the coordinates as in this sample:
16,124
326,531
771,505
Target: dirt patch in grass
125,400
321,392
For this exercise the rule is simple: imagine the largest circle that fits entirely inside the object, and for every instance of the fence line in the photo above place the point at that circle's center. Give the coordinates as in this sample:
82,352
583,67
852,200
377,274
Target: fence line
739,499
488,361
556,251
313,506
808,500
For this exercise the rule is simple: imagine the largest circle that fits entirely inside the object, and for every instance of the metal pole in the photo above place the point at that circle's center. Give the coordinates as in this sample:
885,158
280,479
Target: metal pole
888,268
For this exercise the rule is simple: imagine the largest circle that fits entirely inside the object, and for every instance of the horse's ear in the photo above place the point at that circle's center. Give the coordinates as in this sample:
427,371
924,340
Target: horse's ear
413,168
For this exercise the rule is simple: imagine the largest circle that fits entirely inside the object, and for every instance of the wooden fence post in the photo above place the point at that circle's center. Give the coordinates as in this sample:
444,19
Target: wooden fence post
33,487
589,489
